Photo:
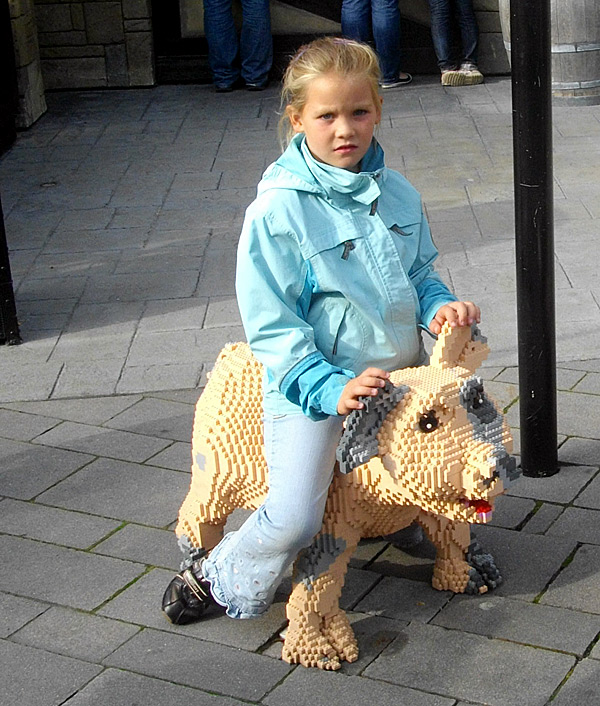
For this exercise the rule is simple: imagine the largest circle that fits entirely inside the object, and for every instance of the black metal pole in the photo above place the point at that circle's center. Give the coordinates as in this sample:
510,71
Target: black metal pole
9,327
532,146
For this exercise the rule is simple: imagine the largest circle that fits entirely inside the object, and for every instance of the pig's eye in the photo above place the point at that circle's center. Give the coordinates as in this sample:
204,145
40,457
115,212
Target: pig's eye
428,422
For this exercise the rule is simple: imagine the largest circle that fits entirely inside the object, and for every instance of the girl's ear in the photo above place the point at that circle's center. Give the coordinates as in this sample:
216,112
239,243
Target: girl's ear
295,119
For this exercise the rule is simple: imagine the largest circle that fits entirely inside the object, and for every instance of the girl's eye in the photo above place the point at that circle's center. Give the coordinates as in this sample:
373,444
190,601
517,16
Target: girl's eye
326,116
361,111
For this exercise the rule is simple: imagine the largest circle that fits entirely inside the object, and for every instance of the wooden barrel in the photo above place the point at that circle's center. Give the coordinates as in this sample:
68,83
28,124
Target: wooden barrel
575,28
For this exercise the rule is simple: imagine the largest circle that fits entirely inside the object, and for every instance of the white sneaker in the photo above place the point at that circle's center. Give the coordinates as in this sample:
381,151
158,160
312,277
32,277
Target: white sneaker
472,74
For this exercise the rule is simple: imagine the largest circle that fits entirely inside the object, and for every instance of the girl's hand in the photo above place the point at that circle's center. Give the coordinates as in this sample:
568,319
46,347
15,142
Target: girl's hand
457,313
368,382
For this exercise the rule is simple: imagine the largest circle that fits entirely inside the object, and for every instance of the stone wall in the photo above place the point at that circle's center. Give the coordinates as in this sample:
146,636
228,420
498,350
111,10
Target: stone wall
95,44
32,102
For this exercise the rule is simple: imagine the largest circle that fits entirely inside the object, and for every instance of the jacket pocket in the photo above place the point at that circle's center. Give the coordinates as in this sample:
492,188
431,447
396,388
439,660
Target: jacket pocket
338,330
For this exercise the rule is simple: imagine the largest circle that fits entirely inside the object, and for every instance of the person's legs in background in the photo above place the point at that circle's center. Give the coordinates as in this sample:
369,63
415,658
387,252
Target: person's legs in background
256,43
377,21
222,39
356,20
469,34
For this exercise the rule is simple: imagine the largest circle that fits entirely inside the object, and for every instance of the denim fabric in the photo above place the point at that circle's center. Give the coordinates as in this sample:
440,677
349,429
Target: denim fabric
255,45
377,20
246,567
442,14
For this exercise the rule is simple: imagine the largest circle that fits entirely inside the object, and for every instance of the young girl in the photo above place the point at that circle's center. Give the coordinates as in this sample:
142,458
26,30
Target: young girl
334,277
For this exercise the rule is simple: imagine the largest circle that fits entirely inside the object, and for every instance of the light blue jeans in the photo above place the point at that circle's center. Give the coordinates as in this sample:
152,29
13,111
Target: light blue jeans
246,567
377,20
255,45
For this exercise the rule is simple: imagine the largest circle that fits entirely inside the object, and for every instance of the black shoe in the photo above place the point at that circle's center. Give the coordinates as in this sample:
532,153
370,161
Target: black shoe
187,596
228,88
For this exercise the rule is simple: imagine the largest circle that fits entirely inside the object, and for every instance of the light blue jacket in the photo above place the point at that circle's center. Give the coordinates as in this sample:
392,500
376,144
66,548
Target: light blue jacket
334,274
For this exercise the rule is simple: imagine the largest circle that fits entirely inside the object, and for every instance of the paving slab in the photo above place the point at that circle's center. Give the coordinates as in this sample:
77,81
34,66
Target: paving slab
511,511
87,411
582,685
529,624
306,688
23,427
45,467
577,524
140,604
402,599
576,585
544,516
563,487
580,451
527,562
74,633
39,678
16,611
145,545
51,524
121,490
462,666
70,578
177,457
205,665
102,441
156,417
117,687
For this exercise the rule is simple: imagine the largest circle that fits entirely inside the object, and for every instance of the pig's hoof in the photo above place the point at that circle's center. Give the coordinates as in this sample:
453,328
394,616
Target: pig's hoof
484,574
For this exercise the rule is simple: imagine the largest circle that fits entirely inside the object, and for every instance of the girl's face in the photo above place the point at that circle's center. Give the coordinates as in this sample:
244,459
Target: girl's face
338,119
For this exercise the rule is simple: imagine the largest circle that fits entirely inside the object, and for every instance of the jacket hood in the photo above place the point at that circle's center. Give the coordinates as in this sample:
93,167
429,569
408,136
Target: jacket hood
297,169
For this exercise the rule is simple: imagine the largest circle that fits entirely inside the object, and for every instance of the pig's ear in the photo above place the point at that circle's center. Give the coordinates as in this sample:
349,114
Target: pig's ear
359,440
462,346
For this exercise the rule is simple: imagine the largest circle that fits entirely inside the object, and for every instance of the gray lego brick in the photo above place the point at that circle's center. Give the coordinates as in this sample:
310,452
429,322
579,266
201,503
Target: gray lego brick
204,665
471,667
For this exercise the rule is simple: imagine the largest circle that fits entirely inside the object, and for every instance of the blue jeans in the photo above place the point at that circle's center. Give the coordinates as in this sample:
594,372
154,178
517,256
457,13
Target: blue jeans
377,20
255,45
246,567
442,14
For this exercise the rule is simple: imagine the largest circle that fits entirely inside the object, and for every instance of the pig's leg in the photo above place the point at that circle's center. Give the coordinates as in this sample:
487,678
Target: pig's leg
319,634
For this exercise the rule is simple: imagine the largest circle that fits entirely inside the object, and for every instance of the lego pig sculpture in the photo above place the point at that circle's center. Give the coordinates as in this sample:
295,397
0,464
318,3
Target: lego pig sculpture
431,447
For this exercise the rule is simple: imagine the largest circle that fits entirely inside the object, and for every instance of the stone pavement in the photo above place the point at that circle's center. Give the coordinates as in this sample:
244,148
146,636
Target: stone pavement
122,210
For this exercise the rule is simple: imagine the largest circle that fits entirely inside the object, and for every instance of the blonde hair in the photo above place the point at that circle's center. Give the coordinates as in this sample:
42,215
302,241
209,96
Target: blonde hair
345,57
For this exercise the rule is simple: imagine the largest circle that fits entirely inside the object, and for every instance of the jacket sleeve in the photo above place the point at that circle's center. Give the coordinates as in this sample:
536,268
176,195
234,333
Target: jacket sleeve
273,286
431,290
